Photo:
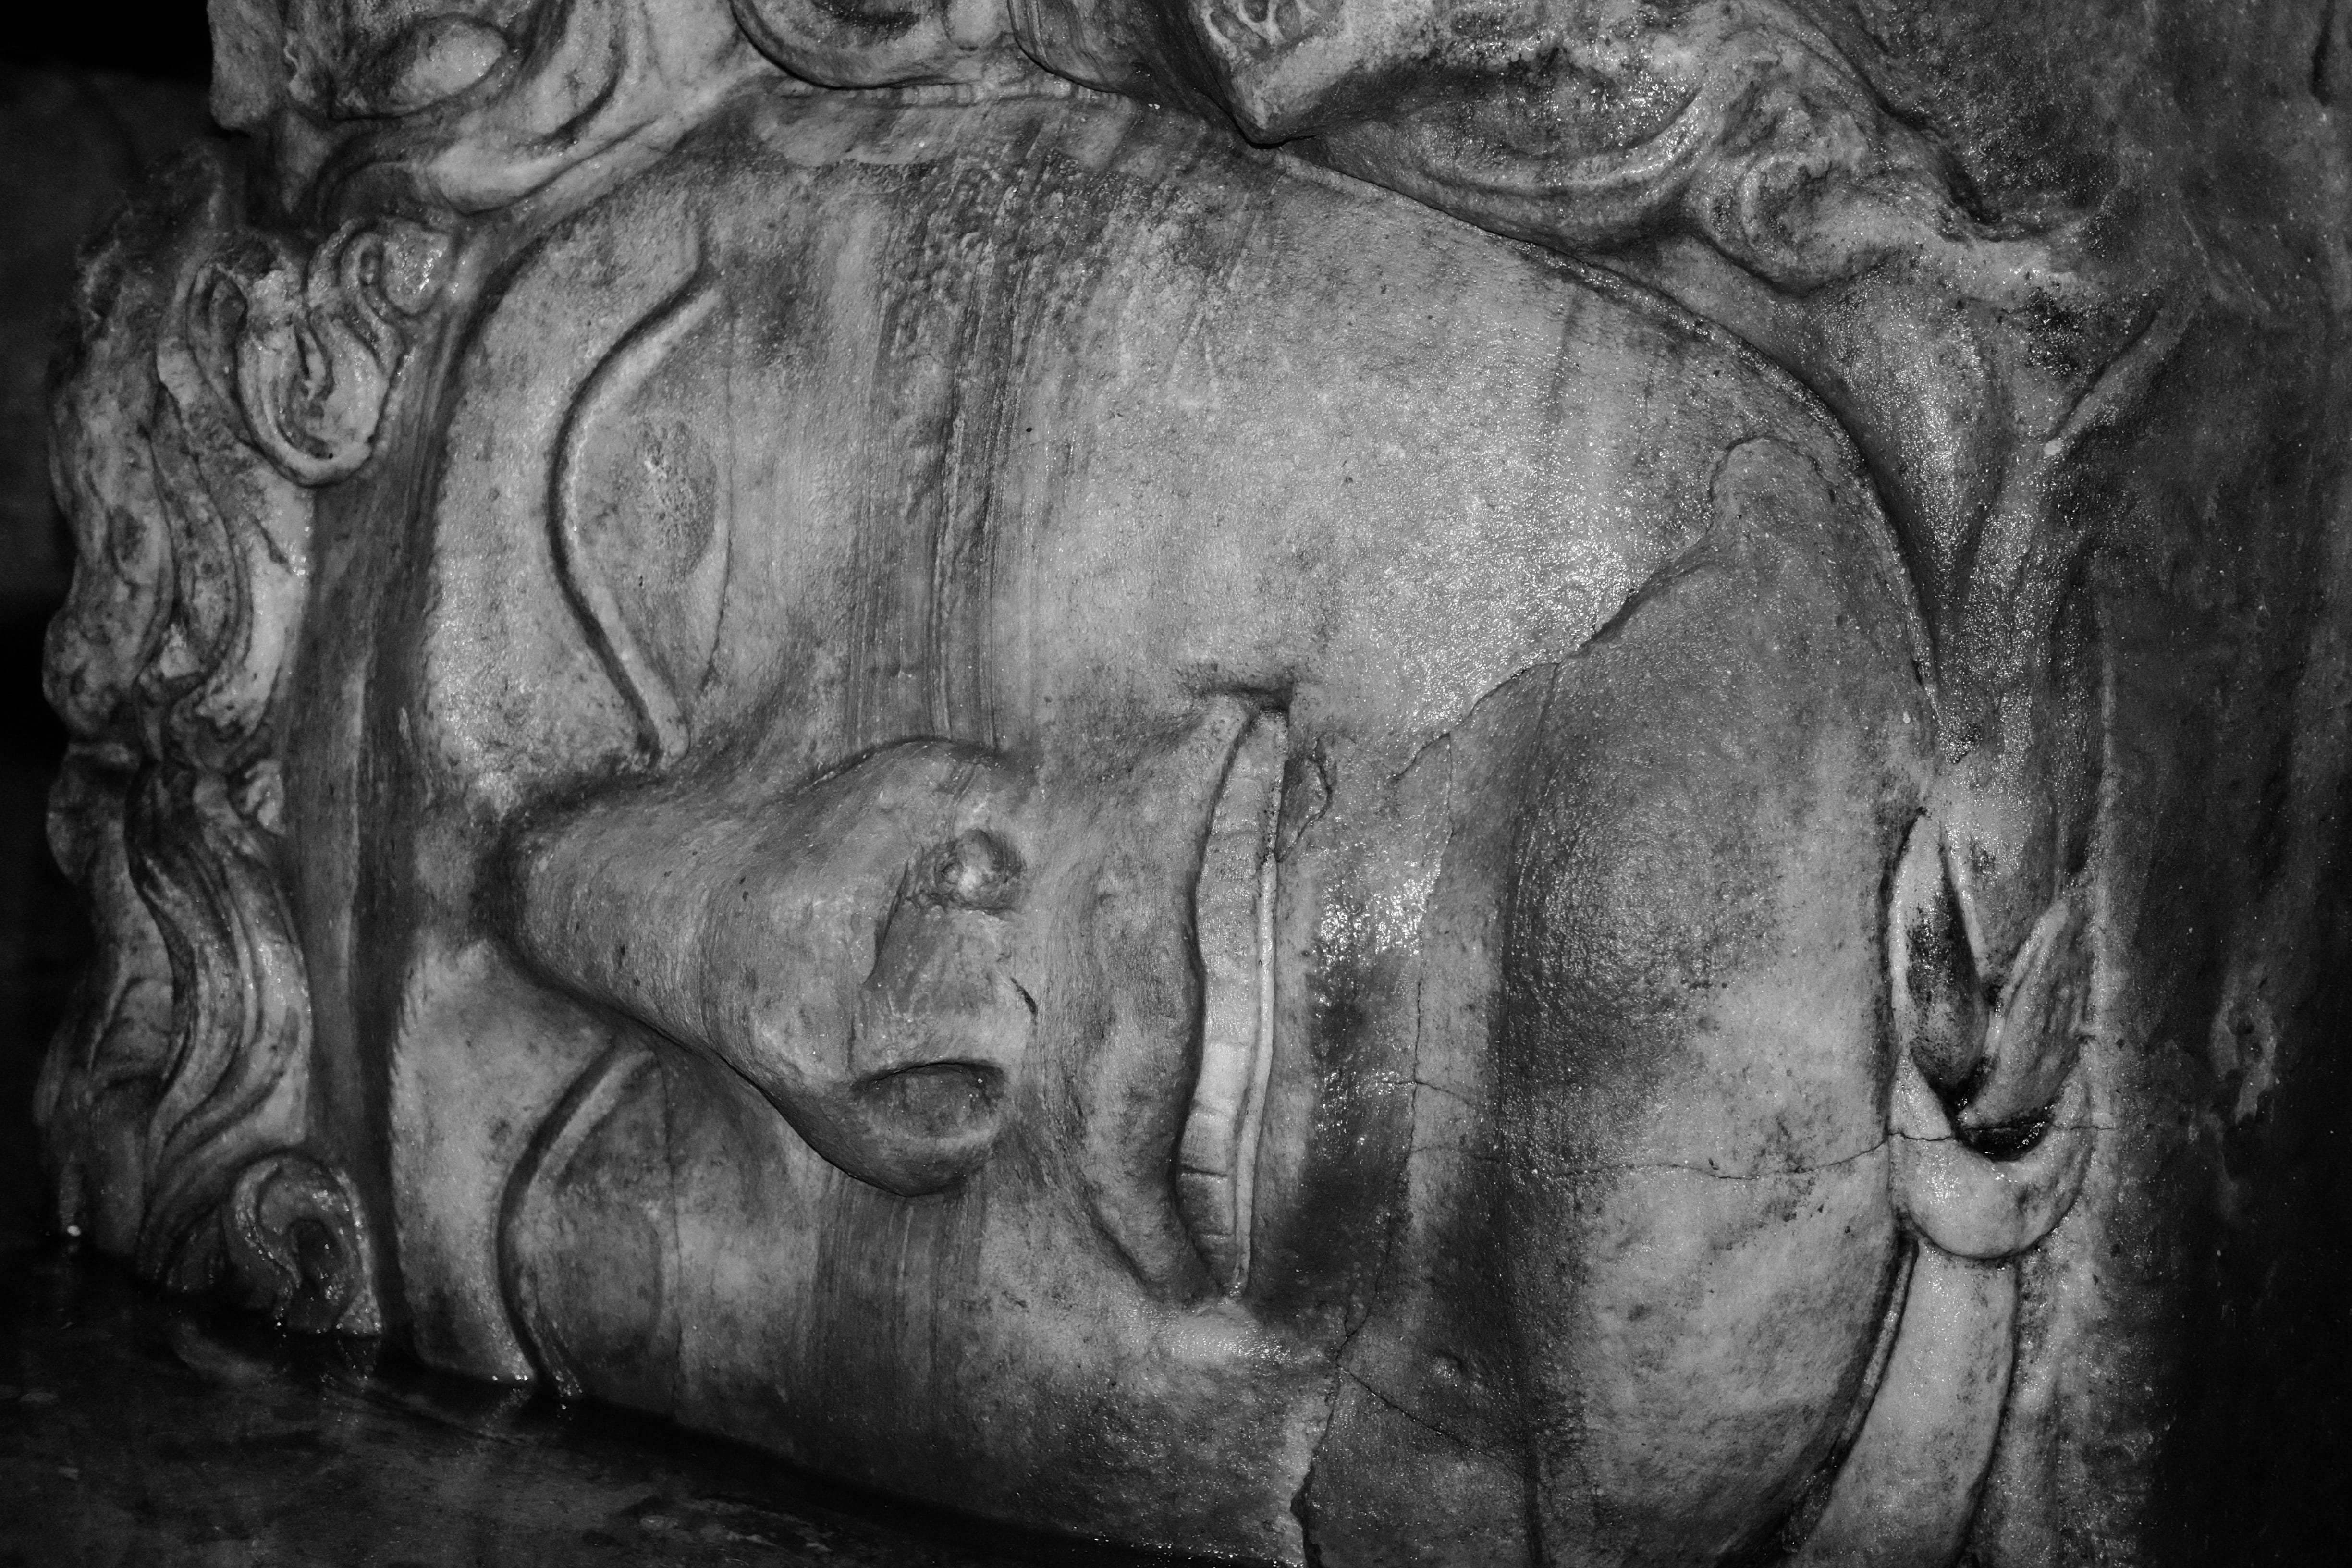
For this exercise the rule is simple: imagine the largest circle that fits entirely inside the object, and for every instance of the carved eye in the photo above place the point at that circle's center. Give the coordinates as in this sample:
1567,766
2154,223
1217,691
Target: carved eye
641,522
647,525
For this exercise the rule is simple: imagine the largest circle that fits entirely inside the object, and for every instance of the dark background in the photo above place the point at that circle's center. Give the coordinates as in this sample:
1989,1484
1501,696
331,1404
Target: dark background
166,41
89,95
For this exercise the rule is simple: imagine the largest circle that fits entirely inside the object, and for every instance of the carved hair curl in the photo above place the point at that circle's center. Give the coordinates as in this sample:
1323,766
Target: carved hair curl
175,1103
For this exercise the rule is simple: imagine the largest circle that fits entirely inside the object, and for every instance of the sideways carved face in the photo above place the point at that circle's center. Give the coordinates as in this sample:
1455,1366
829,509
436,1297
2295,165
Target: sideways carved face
1065,820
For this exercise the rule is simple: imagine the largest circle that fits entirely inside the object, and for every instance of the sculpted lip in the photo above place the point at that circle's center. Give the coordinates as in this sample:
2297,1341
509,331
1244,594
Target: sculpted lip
1216,1160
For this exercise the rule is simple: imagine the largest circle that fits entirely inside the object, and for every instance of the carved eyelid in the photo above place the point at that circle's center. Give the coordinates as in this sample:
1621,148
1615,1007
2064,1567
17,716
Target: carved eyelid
658,696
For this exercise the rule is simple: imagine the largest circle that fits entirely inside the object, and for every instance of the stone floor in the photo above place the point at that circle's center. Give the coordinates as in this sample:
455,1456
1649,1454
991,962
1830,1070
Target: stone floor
140,1431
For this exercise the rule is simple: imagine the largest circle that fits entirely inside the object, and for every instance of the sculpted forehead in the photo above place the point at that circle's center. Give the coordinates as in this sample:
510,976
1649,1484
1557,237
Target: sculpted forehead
1076,406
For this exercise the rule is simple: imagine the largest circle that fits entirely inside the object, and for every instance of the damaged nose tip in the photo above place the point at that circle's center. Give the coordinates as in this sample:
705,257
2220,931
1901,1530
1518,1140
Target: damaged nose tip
974,870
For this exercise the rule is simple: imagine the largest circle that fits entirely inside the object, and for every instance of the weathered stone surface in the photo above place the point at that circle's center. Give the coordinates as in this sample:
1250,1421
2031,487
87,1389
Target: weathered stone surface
1343,781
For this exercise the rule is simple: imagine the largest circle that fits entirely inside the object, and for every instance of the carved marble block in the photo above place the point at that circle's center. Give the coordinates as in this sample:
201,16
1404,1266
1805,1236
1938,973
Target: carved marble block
1368,781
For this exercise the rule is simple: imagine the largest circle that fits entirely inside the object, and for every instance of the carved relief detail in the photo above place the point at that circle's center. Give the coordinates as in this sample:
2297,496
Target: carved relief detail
215,375
641,524
1736,156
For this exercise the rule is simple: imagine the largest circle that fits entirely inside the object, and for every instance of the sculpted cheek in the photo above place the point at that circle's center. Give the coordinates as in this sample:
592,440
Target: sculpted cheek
1702,1239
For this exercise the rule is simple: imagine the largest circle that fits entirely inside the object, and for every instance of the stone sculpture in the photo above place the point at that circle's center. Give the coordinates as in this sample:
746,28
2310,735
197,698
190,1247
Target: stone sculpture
1346,780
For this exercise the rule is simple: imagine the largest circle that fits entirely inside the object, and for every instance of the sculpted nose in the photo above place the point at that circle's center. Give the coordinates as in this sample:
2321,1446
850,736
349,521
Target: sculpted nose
940,1023
842,946
855,948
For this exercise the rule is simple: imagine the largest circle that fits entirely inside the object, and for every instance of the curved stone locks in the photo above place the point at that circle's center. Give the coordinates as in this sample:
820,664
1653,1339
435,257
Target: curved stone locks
1403,851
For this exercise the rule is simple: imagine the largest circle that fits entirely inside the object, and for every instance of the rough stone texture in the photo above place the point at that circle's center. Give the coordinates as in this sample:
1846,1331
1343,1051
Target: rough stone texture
1352,781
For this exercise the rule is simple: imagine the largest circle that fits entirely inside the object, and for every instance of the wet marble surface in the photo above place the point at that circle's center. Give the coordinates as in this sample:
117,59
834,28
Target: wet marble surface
138,1430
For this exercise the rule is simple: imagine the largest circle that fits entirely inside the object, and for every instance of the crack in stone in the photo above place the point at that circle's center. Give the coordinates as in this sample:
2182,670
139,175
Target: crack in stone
1423,1422
1455,1095
1805,1169
1486,1156
1712,1173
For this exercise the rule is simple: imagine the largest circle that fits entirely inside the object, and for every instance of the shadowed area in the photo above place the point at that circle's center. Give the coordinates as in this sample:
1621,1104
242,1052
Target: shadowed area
135,1429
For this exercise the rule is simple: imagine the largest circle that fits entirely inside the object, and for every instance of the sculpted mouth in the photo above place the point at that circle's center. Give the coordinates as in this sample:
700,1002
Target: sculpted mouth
1233,908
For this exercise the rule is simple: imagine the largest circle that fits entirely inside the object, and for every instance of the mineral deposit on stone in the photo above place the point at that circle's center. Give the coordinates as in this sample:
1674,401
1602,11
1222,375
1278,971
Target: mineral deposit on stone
1369,782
